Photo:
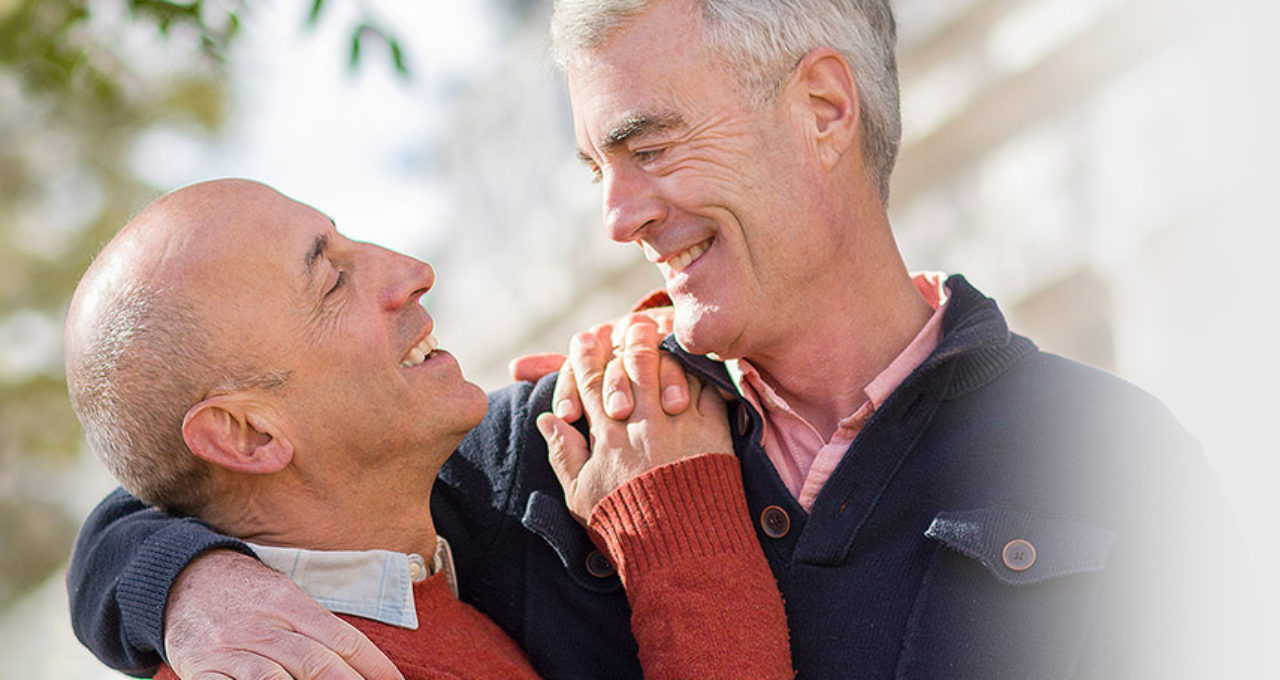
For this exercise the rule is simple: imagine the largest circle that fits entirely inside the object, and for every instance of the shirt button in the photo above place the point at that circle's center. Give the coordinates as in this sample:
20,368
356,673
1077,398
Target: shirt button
599,566
417,568
1018,554
775,522
743,420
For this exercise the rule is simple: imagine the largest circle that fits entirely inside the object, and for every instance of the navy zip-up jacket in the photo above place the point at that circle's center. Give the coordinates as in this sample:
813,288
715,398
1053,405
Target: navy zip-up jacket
1006,513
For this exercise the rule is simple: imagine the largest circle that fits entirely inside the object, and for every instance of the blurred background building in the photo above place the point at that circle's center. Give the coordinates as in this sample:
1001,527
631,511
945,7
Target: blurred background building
1106,169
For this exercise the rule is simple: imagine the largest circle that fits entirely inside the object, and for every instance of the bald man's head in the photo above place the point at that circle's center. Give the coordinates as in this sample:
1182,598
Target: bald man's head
143,344
229,333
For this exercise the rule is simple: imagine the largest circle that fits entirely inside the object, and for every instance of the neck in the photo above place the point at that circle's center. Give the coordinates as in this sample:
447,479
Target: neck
823,363
367,513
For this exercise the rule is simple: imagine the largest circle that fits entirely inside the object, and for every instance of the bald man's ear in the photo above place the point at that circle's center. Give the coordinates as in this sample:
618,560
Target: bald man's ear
237,432
825,78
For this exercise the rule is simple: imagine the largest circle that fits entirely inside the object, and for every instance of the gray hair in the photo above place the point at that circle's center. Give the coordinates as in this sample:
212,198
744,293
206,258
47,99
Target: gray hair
144,363
762,40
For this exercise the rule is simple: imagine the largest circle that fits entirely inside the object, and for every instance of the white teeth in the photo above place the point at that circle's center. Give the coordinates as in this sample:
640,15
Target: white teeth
679,262
420,352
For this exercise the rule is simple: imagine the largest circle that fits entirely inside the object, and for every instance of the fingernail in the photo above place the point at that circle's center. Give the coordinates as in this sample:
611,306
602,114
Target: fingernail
544,426
618,402
562,409
671,395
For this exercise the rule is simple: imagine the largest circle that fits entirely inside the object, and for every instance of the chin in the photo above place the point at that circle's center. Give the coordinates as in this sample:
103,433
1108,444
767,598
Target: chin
702,332
455,413
467,406
479,404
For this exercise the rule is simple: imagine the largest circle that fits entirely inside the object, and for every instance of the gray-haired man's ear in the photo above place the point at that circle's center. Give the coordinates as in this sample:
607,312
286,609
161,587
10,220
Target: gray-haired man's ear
237,432
826,83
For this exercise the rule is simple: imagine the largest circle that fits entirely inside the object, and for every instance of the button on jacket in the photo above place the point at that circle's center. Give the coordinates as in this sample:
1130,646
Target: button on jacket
1006,513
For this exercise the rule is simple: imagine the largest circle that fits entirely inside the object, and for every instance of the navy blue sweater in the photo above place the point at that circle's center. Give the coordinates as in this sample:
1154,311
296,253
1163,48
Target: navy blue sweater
1006,513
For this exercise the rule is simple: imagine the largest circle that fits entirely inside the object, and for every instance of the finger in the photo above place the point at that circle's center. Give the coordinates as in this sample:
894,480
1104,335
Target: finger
665,317
620,327
710,400
345,652
252,664
640,357
587,356
662,317
604,332
321,663
674,384
604,335
695,386
617,391
565,401
712,405
532,367
320,646
242,665
566,449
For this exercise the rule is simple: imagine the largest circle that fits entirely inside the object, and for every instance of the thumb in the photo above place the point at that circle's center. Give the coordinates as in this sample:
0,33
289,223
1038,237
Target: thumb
566,449
532,367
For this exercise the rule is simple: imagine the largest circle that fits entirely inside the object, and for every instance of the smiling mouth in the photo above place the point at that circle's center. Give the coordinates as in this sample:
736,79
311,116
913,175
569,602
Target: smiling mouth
680,262
425,349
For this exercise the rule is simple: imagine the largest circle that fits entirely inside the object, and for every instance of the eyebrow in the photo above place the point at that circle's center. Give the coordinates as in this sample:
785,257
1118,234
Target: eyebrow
318,246
633,127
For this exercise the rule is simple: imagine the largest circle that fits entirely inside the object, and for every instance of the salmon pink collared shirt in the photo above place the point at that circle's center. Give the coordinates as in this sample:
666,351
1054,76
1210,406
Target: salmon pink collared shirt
803,459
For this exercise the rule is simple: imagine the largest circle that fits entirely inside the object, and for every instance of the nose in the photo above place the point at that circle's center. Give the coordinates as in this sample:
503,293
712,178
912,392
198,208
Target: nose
408,279
631,203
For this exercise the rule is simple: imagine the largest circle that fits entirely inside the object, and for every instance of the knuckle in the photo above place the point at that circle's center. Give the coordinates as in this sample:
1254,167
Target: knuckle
556,457
643,334
322,665
347,641
591,380
640,318
235,664
566,382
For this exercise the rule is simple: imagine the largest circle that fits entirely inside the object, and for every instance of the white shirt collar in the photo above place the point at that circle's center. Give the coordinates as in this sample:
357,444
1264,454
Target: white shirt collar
373,584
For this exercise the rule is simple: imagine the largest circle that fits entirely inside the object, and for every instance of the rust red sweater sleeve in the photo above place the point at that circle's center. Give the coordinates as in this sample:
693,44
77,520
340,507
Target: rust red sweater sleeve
704,602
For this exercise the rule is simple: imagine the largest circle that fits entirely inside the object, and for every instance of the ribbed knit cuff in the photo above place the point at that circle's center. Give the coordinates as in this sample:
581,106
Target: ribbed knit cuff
694,506
144,585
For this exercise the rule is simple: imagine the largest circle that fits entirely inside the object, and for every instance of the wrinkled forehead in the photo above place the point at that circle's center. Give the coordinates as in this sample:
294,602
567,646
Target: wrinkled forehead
648,66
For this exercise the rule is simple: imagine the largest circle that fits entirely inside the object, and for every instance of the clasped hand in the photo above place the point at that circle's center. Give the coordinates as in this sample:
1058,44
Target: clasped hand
641,408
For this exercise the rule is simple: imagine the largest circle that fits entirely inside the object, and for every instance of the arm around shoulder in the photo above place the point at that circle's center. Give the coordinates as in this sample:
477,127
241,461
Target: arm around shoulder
126,558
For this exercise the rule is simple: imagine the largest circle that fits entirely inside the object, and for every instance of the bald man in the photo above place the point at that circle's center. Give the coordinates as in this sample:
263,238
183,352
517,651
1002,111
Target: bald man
234,358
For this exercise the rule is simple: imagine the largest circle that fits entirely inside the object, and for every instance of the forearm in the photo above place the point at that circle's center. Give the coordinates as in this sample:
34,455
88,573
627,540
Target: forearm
126,558
704,602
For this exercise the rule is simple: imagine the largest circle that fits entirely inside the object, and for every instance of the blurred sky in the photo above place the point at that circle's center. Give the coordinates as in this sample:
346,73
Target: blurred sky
353,143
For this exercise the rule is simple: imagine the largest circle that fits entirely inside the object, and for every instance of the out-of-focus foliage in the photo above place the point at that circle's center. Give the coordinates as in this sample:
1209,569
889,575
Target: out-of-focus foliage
79,85
82,82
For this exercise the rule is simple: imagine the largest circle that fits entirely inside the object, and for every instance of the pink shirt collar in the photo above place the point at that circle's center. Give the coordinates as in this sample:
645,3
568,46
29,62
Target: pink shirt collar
803,460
